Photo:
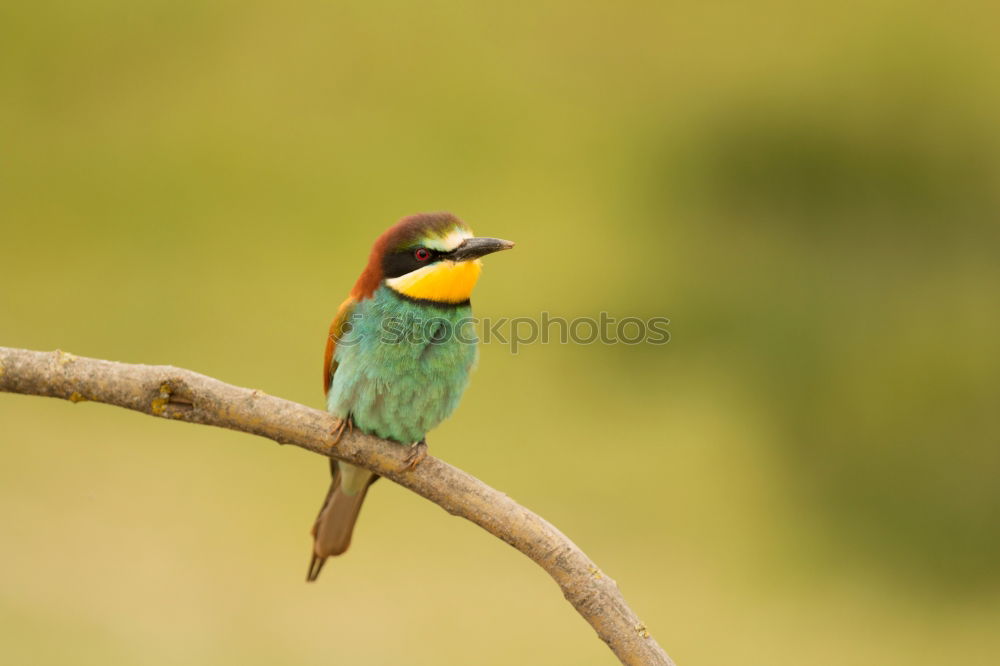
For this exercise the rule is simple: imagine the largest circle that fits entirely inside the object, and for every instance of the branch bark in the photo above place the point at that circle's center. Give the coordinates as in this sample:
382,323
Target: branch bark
182,395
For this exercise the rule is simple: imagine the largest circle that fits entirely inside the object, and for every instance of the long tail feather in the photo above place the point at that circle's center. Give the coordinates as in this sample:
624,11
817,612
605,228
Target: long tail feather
315,566
335,523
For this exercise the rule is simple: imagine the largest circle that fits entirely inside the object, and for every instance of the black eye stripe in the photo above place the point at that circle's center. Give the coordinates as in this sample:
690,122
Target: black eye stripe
402,262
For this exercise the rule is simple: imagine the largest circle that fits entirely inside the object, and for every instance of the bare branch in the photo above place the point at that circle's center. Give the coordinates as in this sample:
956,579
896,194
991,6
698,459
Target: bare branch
182,395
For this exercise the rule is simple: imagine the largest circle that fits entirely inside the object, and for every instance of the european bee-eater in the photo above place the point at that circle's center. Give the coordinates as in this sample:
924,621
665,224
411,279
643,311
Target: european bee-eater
399,353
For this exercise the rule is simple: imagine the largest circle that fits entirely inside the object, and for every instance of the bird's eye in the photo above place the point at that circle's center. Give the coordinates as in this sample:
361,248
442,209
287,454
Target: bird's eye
423,254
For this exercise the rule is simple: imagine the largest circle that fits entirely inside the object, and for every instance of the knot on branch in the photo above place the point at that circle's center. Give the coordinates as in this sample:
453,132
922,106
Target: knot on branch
172,400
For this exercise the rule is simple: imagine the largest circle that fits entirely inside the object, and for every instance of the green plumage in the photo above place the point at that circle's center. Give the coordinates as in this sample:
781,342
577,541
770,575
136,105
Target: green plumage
402,365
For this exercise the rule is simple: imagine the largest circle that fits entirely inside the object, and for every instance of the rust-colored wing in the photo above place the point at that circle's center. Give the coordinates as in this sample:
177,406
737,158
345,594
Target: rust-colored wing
336,330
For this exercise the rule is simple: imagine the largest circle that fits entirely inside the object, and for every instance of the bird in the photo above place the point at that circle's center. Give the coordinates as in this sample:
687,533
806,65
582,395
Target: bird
398,354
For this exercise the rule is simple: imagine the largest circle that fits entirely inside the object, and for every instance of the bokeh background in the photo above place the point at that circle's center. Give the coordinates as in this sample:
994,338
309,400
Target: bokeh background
806,474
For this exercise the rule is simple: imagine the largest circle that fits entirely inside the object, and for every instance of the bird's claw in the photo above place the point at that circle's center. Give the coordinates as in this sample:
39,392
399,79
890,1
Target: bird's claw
338,430
416,455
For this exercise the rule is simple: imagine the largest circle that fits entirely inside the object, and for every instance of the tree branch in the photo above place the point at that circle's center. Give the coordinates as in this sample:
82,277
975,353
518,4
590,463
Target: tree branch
182,395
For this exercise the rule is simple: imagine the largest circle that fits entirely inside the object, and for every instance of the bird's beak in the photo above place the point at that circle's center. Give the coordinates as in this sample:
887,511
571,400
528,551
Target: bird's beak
473,248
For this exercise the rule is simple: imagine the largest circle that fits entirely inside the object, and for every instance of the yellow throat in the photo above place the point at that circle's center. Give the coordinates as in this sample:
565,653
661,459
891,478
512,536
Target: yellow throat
443,281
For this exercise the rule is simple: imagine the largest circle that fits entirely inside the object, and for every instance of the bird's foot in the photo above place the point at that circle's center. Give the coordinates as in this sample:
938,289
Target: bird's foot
338,430
416,455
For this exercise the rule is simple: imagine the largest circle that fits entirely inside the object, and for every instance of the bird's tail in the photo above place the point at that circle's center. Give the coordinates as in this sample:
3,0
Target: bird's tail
335,522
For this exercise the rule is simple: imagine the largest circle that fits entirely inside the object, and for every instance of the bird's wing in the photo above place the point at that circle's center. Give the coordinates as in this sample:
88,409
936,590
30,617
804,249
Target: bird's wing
336,331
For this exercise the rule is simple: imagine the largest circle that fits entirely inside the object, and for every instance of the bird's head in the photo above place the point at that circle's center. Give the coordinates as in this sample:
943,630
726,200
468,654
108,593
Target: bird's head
428,257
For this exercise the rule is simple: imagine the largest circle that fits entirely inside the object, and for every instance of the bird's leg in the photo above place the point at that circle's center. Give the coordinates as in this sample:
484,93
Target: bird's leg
343,424
417,454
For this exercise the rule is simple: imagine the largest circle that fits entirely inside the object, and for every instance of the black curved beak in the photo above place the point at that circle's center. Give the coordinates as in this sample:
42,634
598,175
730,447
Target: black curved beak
473,248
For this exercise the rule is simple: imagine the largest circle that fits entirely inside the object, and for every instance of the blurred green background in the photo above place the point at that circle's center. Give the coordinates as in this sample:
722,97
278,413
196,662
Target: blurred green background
808,472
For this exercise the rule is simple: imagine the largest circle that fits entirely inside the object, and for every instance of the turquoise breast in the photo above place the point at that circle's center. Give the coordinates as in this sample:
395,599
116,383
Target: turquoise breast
402,365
